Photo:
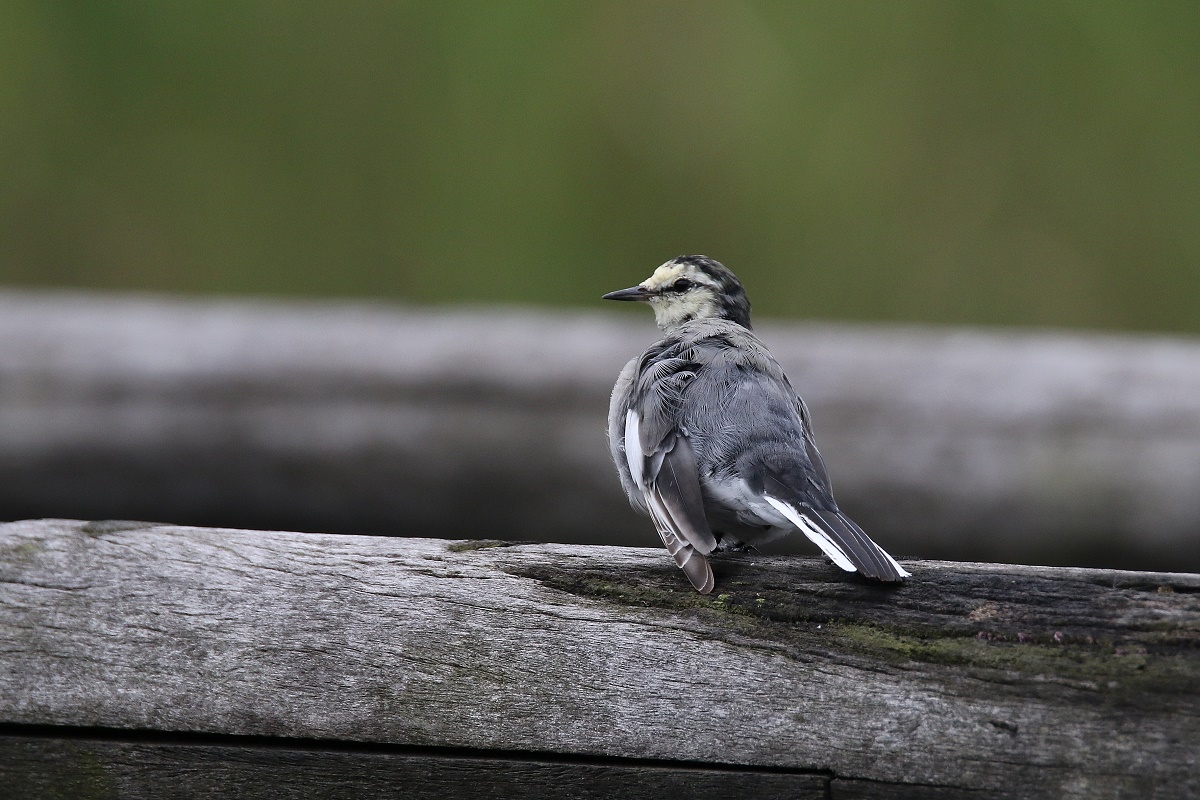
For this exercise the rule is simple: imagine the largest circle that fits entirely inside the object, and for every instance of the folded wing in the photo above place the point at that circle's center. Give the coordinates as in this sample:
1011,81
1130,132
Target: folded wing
663,466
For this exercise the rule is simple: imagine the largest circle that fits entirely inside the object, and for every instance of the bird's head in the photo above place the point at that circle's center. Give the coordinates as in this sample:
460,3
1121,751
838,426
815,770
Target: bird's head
688,288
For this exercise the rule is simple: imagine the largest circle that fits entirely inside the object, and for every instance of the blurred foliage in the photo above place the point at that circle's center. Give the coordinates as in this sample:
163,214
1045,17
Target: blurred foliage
1025,162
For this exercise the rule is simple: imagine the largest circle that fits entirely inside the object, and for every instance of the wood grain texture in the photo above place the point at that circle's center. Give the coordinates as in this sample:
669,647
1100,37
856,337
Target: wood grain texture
83,769
1035,447
1017,681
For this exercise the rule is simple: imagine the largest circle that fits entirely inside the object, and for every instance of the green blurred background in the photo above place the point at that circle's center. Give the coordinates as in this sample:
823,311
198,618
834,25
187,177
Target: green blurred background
1017,163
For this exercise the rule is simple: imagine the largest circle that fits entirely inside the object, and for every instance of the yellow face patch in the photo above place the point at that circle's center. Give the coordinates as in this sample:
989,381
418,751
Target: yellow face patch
673,308
665,275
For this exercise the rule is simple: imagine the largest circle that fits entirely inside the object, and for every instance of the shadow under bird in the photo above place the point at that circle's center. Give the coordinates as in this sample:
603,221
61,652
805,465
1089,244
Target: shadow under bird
710,439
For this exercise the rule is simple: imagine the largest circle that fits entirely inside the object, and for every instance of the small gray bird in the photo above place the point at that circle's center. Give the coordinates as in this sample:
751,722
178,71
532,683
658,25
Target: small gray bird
710,439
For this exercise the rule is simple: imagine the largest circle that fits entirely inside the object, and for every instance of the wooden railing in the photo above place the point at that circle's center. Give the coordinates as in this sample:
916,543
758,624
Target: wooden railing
151,661
1017,446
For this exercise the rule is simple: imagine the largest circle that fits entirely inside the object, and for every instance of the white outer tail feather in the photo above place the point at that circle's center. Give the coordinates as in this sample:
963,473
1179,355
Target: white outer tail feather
814,533
903,572
822,540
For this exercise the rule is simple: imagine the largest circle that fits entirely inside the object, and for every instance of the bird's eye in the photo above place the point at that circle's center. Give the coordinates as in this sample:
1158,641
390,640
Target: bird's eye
681,285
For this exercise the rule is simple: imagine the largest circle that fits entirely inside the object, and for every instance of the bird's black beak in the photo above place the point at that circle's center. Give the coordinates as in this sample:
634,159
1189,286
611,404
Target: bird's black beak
632,293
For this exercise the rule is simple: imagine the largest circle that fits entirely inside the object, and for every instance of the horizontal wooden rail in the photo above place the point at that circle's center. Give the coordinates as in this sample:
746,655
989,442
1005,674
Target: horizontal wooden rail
1016,446
147,657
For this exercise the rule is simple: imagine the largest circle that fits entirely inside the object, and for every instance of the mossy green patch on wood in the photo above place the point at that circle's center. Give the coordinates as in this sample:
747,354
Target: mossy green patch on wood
21,552
1034,636
1097,666
103,526
467,545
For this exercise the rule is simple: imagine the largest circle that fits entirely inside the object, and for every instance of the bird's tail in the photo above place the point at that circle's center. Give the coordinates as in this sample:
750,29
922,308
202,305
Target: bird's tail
842,540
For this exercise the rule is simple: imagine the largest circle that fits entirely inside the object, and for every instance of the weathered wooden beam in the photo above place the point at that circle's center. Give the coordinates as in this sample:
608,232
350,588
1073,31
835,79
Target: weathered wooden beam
1033,447
971,678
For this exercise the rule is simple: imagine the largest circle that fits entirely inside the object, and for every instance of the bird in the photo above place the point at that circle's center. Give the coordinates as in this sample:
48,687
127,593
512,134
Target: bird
710,439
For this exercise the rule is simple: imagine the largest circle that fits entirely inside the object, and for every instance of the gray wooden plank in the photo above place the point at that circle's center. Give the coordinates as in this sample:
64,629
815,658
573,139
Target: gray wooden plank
1060,682
36,768
1039,447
